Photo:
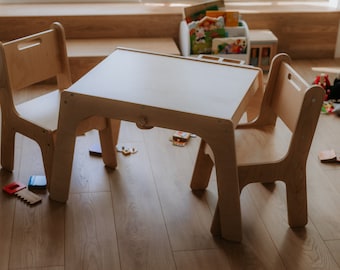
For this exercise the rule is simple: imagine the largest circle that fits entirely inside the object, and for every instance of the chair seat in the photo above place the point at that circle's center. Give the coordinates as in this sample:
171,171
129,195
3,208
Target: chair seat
42,110
267,144
262,145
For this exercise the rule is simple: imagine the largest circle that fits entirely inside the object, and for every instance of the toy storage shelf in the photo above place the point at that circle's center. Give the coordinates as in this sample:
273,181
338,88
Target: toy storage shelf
237,31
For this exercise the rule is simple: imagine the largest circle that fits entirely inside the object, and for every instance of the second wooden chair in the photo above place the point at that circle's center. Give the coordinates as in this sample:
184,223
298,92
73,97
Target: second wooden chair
275,146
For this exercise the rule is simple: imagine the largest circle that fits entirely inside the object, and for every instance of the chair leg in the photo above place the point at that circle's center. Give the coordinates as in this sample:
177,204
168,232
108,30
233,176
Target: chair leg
202,170
108,141
297,200
215,228
47,151
7,148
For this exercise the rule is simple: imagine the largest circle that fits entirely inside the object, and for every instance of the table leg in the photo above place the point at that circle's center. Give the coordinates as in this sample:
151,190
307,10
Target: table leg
227,217
228,210
108,141
64,150
61,171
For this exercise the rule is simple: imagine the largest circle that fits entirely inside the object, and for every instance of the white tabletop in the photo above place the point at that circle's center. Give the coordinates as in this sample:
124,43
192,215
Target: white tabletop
170,82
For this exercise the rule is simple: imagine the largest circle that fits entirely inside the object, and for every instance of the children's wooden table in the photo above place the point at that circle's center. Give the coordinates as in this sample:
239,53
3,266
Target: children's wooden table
151,89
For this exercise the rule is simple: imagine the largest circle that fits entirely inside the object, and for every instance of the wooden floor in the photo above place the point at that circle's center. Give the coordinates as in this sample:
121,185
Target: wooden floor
143,215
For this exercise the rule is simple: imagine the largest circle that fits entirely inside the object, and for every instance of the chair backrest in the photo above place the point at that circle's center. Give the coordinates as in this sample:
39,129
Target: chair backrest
284,94
297,103
35,58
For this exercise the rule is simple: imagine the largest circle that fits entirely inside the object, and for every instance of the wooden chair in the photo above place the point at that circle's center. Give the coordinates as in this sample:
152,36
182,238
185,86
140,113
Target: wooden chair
275,146
25,62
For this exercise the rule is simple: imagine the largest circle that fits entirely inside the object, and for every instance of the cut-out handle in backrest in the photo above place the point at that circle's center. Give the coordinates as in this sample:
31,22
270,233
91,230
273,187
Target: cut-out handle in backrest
32,59
288,95
28,44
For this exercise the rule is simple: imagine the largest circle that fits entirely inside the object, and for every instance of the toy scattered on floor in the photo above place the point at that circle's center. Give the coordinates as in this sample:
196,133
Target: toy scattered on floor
323,81
126,151
20,190
331,103
95,150
329,156
336,109
180,138
327,107
38,182
332,91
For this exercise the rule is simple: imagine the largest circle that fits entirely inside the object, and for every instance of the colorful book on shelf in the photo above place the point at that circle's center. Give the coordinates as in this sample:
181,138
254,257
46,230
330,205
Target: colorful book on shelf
234,45
203,32
215,13
196,12
231,18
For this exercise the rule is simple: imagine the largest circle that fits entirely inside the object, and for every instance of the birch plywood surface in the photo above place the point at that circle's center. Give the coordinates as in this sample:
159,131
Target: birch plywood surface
158,76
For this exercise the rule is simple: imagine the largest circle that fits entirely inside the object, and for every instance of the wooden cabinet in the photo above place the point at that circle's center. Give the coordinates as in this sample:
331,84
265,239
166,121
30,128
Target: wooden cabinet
263,47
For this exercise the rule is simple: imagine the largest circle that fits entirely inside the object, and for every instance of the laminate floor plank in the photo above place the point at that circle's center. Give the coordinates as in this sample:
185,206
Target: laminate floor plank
141,230
38,230
187,217
91,241
257,250
334,247
7,207
7,212
324,200
89,173
299,248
